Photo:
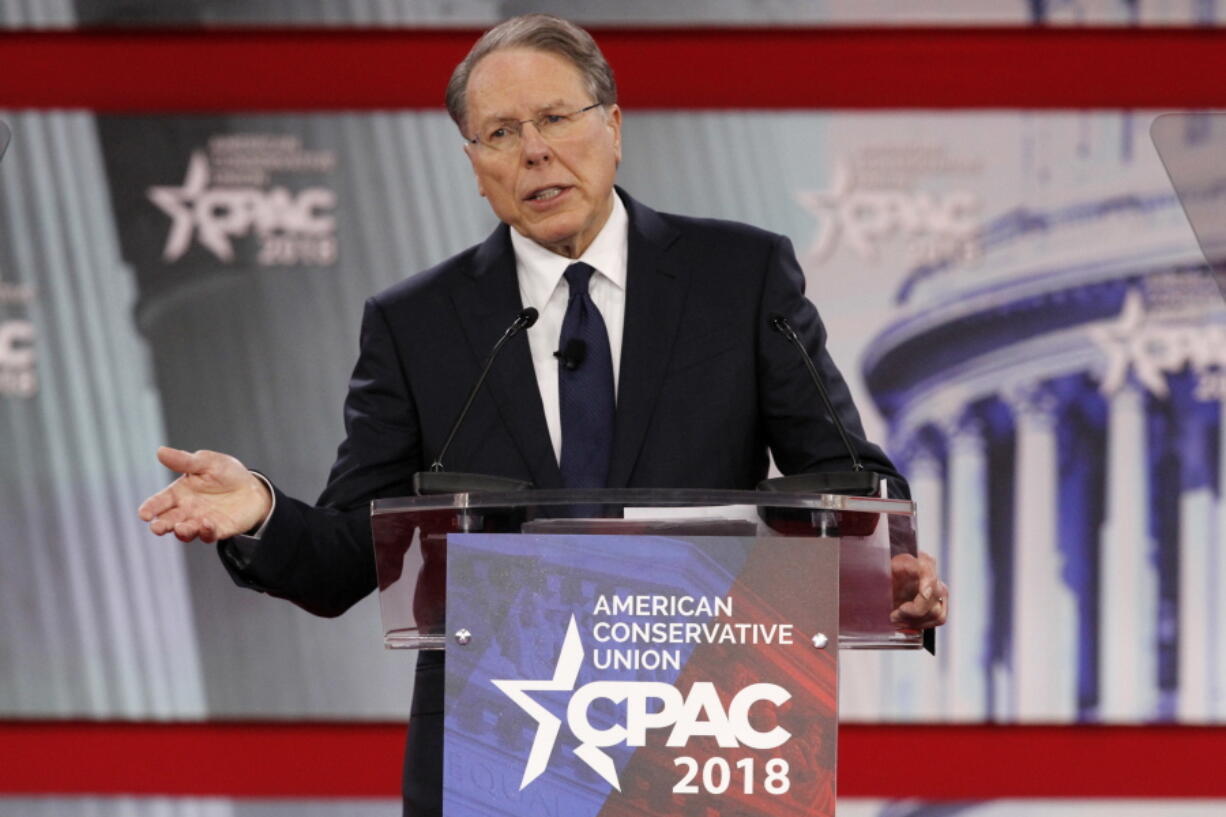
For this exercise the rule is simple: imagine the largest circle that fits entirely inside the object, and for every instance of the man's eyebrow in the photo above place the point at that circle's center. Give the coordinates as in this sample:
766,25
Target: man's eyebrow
540,109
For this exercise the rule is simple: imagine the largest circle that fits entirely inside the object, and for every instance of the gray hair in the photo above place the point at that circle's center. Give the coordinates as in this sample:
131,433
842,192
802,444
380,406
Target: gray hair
541,32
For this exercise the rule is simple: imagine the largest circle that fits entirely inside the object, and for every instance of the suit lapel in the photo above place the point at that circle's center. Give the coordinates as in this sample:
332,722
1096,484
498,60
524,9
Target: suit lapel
487,300
655,295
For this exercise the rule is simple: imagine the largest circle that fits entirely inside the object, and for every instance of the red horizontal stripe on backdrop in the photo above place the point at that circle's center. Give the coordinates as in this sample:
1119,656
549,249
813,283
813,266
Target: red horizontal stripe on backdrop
201,759
981,762
664,68
314,760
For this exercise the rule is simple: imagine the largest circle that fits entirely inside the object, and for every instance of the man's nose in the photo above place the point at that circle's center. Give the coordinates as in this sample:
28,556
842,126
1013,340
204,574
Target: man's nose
534,146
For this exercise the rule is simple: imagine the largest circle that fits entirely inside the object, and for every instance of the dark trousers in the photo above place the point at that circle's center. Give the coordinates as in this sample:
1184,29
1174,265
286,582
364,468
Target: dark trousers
422,783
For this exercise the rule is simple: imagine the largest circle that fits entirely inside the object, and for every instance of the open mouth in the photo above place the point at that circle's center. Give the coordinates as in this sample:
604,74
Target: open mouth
546,193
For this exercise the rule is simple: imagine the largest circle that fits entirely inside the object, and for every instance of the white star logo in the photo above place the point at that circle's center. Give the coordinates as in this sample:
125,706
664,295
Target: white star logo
565,672
827,207
1125,342
182,205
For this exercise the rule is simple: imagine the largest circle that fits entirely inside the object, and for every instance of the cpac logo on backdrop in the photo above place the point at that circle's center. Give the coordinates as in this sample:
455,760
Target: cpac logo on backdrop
698,713
1154,350
936,226
17,374
292,228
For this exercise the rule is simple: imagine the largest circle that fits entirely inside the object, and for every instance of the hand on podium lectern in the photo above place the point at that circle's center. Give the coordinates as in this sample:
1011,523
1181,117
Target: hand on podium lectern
215,497
920,597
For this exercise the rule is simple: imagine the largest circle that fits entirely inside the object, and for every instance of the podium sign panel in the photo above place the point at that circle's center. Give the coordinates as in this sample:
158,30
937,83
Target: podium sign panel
640,674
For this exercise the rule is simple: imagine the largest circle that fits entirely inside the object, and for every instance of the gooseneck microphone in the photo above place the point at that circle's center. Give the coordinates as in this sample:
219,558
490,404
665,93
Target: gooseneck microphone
571,356
856,482
436,481
781,325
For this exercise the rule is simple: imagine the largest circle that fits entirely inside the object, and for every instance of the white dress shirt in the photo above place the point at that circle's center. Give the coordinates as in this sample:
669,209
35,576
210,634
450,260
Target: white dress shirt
542,286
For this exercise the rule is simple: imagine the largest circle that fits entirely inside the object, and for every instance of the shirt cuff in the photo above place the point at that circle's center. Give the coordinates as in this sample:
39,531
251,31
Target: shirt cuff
259,532
241,549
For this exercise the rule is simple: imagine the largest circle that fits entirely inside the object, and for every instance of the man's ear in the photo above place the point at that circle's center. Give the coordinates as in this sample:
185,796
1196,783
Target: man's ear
615,123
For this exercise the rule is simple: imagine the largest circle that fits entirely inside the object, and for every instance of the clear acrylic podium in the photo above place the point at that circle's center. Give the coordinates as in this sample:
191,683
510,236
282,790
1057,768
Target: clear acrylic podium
640,652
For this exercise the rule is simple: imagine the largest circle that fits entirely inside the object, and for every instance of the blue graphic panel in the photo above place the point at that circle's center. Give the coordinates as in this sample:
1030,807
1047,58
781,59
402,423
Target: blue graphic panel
586,652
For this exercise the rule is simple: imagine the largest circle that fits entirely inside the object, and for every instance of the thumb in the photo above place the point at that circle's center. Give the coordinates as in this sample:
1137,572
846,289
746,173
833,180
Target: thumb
182,462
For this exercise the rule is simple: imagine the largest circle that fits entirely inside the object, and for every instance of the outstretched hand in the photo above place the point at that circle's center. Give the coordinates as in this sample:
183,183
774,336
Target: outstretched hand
215,497
921,599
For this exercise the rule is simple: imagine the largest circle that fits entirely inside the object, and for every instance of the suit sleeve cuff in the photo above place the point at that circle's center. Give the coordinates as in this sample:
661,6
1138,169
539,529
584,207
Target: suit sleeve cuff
241,550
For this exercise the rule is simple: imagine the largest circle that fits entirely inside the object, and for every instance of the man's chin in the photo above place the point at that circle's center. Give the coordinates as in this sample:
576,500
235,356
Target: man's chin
560,241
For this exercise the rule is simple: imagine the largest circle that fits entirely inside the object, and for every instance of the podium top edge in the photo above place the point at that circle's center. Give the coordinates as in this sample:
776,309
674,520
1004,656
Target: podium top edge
643,497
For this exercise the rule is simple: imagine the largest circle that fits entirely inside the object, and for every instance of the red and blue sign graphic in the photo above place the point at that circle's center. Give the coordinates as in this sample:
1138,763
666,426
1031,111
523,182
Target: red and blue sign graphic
625,675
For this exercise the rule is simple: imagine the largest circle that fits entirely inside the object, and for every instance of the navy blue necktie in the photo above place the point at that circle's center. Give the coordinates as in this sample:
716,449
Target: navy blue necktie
585,387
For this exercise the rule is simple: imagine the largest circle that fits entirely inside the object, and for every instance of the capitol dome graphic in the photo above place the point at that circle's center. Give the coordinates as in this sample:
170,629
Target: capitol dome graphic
1057,403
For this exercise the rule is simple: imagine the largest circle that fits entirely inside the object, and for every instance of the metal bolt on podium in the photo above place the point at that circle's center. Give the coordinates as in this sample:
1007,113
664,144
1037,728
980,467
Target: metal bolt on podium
462,637
820,641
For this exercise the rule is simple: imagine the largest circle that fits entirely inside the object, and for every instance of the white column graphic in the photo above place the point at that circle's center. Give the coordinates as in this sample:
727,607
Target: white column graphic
110,630
1217,611
922,689
1197,509
1128,595
1044,608
966,637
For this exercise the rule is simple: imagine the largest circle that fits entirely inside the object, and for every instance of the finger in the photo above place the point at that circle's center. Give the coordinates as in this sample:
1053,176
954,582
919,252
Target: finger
183,462
920,613
904,564
208,531
934,602
941,609
920,606
912,610
905,568
157,504
186,531
939,614
162,526
906,622
164,523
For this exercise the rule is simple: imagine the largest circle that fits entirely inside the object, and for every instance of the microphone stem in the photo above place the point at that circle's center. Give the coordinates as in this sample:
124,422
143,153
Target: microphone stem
791,335
514,328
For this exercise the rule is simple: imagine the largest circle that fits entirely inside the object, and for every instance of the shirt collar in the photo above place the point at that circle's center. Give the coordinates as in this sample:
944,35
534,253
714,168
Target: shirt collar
540,269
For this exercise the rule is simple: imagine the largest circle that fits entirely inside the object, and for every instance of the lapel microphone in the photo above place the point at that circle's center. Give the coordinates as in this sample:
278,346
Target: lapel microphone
438,481
856,482
571,356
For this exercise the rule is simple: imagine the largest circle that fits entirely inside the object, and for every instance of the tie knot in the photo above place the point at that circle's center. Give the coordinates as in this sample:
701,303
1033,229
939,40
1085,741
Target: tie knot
577,277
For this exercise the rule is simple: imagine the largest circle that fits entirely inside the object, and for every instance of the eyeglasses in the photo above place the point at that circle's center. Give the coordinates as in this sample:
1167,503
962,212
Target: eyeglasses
507,134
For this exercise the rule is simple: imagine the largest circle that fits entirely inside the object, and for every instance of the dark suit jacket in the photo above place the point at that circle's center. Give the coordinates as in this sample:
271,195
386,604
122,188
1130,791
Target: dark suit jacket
705,388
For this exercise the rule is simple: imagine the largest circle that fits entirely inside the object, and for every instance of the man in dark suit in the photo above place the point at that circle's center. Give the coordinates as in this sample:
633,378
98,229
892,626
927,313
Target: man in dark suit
691,388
